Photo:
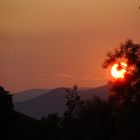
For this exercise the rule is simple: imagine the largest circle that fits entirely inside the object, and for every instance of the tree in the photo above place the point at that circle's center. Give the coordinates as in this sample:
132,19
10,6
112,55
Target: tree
6,103
70,117
6,113
51,127
73,102
129,87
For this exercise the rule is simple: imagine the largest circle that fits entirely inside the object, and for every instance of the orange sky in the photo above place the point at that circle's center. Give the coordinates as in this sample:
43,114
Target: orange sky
52,43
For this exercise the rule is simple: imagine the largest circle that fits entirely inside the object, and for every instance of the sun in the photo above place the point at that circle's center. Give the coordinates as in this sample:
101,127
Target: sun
118,71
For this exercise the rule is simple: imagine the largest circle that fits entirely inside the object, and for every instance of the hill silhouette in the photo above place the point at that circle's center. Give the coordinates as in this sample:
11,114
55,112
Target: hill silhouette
28,94
54,101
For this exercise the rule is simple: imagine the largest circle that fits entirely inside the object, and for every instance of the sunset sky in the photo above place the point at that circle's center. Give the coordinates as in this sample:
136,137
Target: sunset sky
53,43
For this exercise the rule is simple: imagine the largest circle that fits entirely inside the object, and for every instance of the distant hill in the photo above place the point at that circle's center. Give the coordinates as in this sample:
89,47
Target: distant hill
101,92
54,101
28,94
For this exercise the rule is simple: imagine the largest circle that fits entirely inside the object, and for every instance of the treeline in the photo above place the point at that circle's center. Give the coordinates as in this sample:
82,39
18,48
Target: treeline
94,119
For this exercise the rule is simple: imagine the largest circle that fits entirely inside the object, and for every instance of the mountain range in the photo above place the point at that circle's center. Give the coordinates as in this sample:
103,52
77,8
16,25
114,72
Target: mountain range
28,94
44,102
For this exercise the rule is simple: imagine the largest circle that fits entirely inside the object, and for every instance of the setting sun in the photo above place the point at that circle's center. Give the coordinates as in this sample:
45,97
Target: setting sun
117,72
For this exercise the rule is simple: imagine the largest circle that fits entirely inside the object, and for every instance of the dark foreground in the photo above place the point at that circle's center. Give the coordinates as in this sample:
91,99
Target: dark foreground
95,119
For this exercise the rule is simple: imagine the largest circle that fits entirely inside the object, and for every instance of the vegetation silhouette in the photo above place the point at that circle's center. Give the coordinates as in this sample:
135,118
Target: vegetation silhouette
14,125
117,118
129,88
6,115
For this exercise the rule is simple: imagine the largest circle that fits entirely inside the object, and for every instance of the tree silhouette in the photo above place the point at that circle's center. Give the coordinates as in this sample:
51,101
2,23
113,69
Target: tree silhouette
6,103
6,113
51,127
73,102
129,87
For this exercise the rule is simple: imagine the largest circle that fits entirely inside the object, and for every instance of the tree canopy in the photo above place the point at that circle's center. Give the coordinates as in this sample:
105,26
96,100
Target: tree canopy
128,52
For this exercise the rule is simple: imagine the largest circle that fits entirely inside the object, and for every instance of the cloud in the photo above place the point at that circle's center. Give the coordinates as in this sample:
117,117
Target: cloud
54,75
81,77
91,78
63,75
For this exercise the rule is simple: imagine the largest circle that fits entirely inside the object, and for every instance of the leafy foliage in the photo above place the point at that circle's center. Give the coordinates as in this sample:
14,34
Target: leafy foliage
130,86
73,102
